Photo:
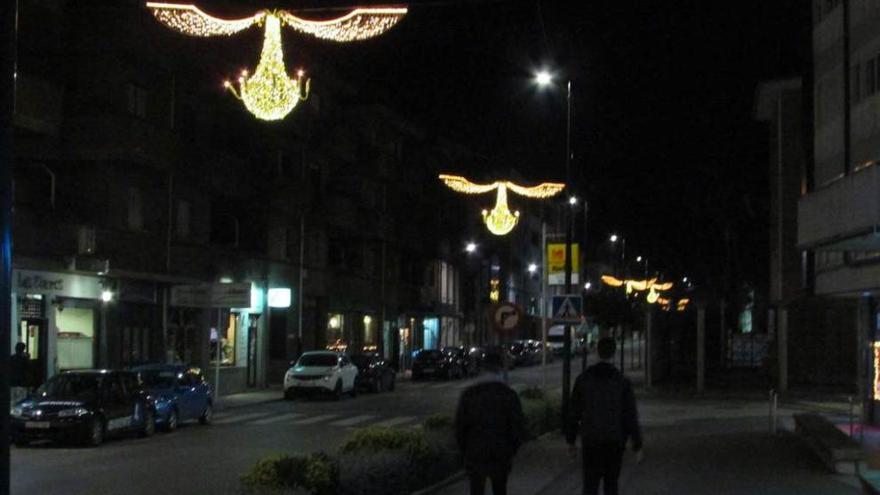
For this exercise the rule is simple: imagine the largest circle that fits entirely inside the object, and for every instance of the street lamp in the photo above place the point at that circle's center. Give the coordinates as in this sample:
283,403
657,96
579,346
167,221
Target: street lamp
533,267
544,79
471,247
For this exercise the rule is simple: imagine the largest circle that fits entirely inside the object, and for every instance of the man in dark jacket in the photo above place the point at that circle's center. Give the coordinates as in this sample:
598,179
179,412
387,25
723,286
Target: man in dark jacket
603,409
19,378
489,428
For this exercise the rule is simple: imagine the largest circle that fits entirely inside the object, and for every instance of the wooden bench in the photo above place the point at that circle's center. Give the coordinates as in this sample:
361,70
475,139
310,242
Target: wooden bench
836,449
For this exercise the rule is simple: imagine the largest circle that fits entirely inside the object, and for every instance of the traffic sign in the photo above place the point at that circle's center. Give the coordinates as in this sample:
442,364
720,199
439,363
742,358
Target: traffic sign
506,317
567,308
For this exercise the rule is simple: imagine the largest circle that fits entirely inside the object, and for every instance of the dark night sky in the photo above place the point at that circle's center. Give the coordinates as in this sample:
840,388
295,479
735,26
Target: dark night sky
664,141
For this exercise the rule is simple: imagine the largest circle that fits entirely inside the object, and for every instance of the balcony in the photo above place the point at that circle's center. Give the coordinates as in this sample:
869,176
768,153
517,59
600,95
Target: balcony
844,216
122,137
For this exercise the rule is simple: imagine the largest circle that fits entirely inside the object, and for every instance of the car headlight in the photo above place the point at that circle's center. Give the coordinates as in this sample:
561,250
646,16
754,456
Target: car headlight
16,411
76,411
327,377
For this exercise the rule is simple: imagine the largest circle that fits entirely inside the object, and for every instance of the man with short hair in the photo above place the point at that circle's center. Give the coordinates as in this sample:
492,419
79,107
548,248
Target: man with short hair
489,428
603,410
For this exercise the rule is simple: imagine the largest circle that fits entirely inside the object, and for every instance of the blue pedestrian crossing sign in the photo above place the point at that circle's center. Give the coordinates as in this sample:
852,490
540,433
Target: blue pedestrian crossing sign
567,308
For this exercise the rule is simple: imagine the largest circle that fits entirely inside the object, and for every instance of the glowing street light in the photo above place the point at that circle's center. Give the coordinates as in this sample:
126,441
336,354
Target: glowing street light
613,238
572,200
471,247
106,296
543,78
533,267
588,286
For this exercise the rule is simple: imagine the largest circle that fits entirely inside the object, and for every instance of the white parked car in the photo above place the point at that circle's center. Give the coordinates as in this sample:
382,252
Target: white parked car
321,372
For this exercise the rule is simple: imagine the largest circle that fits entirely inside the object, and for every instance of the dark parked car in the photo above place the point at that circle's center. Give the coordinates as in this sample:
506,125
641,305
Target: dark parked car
521,353
466,363
374,373
434,363
86,407
504,352
180,393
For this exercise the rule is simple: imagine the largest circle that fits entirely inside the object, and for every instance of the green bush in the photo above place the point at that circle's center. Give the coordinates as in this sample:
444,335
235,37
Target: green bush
413,442
542,415
533,393
315,474
437,422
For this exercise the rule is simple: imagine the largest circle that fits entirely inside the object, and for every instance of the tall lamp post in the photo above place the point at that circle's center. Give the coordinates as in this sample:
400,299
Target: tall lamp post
614,238
9,16
544,79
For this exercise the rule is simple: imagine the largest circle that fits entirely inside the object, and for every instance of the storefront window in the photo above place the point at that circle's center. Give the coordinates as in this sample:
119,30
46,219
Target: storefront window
371,343
225,337
76,338
431,327
335,337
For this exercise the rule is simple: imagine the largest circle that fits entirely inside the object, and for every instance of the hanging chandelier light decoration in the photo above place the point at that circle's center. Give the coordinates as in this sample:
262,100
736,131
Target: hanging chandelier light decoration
270,94
651,285
500,220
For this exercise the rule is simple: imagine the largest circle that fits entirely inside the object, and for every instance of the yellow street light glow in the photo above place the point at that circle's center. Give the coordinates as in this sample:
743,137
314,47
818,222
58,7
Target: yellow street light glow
270,94
500,220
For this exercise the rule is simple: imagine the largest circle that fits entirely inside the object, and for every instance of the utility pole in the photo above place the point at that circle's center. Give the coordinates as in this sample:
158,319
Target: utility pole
566,345
9,18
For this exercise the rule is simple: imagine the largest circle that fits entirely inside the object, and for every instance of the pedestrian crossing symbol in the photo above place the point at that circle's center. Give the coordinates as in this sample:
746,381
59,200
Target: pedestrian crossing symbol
567,308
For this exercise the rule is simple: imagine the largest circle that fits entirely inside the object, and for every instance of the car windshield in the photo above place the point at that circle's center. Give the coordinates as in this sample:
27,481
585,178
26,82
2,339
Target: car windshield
317,360
361,361
433,354
72,386
159,378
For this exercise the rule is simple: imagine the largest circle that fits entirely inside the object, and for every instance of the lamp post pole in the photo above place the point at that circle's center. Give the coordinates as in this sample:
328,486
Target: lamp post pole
566,346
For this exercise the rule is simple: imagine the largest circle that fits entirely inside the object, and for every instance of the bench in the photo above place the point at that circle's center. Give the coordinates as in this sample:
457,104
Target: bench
836,449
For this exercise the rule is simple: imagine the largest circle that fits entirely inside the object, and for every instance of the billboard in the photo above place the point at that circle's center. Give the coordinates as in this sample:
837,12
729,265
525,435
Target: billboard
556,263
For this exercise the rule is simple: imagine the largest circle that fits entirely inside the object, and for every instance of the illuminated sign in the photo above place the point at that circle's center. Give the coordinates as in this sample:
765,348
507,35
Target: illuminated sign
279,298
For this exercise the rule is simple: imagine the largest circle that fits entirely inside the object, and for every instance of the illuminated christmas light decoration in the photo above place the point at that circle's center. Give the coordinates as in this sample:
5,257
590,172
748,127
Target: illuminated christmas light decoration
682,304
269,93
500,220
649,285
494,290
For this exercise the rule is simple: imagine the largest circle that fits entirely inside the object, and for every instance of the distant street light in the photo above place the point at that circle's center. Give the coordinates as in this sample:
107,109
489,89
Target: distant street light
572,200
638,259
543,78
471,247
613,238
588,285
533,267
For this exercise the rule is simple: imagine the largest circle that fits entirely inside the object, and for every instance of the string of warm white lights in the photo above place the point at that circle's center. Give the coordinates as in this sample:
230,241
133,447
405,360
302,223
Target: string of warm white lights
501,220
270,94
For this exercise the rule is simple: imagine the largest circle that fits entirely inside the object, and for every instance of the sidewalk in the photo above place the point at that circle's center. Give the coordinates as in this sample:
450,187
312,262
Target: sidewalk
259,396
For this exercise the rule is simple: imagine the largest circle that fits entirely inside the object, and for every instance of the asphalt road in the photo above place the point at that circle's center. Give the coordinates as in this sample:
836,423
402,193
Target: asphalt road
199,459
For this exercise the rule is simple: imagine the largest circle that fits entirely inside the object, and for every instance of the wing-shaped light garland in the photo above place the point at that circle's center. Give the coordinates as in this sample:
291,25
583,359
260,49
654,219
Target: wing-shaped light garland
500,220
269,93
654,289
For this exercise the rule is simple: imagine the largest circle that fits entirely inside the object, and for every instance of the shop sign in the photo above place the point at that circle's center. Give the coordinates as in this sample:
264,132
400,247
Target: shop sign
56,284
212,295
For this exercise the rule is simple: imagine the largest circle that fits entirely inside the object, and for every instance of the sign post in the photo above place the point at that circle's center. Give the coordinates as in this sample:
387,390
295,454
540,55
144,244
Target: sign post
506,318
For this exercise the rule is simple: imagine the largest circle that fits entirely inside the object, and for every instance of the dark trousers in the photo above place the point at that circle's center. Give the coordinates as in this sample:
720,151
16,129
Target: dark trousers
602,462
498,477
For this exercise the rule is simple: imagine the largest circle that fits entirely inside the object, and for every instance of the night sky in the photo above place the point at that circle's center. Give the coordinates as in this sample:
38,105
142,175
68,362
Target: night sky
665,145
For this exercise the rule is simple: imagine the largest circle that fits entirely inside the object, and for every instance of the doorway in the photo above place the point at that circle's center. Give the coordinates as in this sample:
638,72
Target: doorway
33,332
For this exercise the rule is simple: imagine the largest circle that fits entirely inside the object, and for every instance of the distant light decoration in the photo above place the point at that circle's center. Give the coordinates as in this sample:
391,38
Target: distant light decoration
269,94
651,285
682,304
500,220
494,290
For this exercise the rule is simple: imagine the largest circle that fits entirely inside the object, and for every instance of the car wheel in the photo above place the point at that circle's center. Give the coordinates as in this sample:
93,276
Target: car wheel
171,421
149,424
337,390
207,415
95,434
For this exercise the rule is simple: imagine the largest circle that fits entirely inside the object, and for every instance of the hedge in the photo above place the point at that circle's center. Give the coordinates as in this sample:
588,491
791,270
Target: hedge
385,461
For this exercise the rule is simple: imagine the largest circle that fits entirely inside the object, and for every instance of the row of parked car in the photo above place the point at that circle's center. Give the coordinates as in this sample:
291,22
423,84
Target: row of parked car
337,374
87,406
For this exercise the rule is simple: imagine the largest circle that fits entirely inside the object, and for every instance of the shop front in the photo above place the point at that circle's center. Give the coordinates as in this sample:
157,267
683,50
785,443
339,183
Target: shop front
57,316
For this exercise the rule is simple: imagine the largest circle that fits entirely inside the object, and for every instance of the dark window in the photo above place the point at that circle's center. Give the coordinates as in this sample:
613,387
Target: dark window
136,99
317,360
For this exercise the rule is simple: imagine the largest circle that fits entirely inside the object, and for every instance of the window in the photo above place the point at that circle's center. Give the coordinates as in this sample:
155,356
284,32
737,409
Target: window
335,337
136,97
183,224
225,337
135,209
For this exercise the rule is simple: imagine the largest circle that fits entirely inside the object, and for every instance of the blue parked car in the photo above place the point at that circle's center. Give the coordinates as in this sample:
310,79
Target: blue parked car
181,394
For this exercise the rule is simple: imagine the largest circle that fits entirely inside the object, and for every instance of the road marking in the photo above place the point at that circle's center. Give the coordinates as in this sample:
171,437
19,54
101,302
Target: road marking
396,421
278,419
353,421
316,419
442,385
243,417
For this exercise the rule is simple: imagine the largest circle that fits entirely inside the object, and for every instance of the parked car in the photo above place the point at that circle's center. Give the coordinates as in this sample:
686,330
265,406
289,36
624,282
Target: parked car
522,355
433,363
374,372
321,372
504,352
534,347
181,393
477,354
467,363
85,407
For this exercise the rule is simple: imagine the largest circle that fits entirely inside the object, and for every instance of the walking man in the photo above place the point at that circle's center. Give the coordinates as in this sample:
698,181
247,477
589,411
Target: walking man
19,378
489,428
603,409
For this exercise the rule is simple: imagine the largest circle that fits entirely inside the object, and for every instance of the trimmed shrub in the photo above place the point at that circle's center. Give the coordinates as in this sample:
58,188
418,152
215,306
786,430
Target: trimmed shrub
314,474
413,442
437,422
533,393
